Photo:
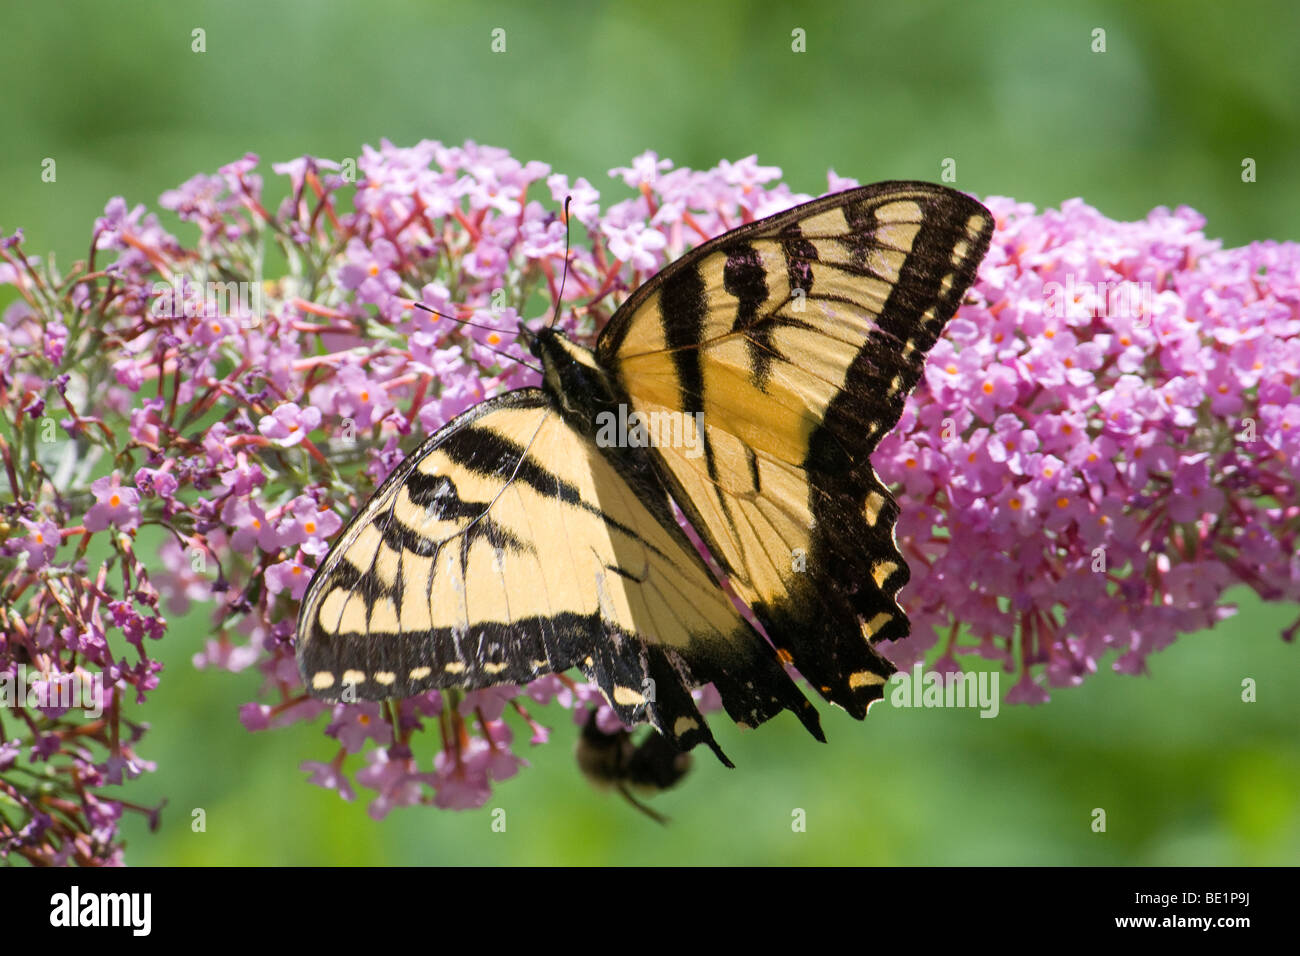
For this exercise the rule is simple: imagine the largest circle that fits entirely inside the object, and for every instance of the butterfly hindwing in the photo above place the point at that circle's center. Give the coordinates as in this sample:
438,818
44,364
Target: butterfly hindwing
796,339
510,546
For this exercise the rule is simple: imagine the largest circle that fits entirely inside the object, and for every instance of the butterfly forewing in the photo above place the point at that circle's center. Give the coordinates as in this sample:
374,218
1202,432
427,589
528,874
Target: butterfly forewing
795,340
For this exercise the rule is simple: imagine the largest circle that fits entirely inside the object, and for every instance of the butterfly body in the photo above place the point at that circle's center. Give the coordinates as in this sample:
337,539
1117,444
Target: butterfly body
533,534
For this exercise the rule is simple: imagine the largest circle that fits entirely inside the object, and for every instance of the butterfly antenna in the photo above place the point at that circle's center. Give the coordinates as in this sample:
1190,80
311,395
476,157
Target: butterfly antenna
477,325
512,358
565,274
443,315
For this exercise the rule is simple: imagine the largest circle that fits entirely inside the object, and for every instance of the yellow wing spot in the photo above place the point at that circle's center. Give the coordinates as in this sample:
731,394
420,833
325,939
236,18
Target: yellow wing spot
875,501
945,286
354,677
386,561
538,665
873,626
685,725
495,668
886,263
383,617
829,223
589,662
385,678
414,614
959,251
832,251
362,551
901,211
975,225
331,609
353,619
458,667
322,680
881,572
627,697
865,679
899,235
831,281
420,673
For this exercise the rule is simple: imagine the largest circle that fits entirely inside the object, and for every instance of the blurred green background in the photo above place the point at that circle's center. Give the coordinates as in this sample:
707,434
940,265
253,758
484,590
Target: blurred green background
1186,772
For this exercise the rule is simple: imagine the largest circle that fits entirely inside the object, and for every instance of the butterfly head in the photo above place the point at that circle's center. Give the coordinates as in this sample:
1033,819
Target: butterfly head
570,372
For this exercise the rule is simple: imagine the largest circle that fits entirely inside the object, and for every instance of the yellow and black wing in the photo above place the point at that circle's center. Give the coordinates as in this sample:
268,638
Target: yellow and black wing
796,339
507,546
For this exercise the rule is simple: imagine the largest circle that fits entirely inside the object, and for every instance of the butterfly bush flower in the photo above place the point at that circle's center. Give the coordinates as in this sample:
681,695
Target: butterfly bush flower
1105,441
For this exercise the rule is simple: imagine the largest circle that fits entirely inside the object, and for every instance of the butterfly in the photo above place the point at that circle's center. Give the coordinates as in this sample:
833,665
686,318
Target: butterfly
744,386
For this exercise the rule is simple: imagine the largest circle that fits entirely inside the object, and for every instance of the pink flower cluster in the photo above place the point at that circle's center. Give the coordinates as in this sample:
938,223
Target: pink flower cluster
1106,440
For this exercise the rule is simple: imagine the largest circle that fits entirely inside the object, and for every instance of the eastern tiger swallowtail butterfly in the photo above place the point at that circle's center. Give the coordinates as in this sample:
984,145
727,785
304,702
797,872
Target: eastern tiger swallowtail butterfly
747,383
